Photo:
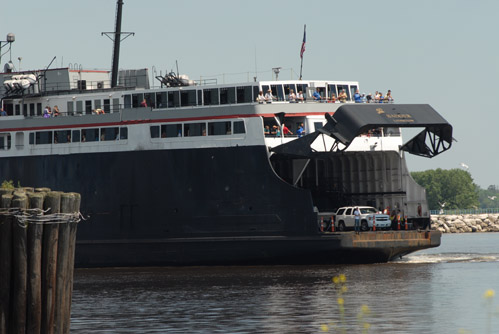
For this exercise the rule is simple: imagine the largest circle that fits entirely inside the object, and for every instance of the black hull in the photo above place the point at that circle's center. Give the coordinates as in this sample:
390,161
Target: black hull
191,207
132,197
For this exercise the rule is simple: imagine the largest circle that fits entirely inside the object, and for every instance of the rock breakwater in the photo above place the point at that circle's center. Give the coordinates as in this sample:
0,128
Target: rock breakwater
465,223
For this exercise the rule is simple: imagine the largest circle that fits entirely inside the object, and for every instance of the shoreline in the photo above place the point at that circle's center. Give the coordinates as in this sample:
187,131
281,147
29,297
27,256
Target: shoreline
465,223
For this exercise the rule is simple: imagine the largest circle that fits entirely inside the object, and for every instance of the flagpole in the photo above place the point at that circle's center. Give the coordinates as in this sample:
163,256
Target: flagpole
303,48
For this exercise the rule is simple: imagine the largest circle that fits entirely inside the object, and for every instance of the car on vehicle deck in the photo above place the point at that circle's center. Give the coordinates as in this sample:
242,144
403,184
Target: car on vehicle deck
345,219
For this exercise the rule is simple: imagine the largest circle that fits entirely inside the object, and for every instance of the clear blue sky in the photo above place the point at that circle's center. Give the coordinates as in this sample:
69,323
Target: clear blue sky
440,52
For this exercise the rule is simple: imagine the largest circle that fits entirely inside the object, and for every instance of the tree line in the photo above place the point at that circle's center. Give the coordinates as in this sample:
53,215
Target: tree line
455,189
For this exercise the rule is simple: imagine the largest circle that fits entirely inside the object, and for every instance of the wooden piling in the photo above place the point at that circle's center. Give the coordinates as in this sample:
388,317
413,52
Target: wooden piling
35,234
20,267
37,260
5,264
49,259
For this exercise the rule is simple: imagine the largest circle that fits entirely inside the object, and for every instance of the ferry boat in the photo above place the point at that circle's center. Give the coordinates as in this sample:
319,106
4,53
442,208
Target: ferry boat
186,174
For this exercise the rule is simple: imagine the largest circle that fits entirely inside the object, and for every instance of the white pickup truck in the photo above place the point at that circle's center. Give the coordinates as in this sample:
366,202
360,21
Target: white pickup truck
345,218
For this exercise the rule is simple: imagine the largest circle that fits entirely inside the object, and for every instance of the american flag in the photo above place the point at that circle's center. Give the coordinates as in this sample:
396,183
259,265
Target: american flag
304,40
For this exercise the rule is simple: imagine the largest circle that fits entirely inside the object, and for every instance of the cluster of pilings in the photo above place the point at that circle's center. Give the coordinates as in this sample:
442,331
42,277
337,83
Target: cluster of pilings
37,246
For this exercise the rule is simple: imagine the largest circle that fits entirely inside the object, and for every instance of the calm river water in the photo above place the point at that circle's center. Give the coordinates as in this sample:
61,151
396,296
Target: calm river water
433,291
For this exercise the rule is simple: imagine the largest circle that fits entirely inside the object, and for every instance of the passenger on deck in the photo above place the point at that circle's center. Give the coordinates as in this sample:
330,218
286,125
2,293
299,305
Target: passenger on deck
143,104
292,96
343,97
269,97
388,98
299,97
301,130
266,130
333,98
356,97
55,112
47,113
285,130
260,98
277,131
3,112
317,95
369,98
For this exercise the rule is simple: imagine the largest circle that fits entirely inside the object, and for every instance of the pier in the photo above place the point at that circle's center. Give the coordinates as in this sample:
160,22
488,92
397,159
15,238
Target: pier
37,246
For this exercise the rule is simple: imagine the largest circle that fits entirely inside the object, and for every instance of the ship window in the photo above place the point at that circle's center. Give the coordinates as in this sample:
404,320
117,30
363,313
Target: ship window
127,101
161,100
18,109
353,89
302,88
124,132
150,100
136,100
116,105
62,137
210,96
79,107
154,131
188,98
39,109
317,125
89,135
239,127
278,92
76,136
31,138
32,109
332,90
244,94
256,90
88,107
25,110
219,128
19,140
171,130
200,97
97,104
173,99
43,137
194,129
344,87
70,107
287,88
107,134
5,142
107,105
227,95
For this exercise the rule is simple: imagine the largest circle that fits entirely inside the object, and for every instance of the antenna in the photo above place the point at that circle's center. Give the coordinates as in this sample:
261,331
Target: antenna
117,40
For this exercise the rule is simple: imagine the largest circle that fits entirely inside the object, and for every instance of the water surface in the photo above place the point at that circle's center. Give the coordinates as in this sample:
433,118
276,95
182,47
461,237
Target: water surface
433,291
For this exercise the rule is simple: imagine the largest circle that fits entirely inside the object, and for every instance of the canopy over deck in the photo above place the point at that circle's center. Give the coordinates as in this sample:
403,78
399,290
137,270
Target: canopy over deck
352,120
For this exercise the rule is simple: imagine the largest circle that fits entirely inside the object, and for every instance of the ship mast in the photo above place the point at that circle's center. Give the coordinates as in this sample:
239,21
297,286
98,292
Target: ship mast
117,40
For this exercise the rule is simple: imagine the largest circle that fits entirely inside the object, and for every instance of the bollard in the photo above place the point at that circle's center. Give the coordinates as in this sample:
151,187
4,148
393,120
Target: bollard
332,223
